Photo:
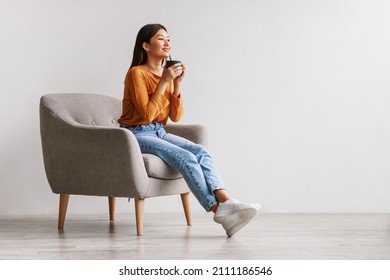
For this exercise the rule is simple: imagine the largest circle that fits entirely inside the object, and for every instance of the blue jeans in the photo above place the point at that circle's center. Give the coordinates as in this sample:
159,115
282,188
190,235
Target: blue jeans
192,160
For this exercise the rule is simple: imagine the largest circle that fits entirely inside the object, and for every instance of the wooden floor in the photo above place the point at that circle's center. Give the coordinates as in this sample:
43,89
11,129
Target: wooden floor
270,236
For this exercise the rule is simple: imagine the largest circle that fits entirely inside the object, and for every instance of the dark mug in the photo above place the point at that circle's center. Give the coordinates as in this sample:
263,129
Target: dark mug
169,63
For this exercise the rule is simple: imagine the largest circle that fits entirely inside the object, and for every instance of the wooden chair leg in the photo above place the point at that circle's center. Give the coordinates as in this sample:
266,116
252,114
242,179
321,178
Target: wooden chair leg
139,215
185,199
111,206
64,198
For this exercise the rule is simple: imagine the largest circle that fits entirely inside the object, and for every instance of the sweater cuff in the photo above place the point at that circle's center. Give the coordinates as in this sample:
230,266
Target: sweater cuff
161,99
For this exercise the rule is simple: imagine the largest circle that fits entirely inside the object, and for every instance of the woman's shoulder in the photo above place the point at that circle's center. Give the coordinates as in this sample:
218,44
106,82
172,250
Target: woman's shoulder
136,72
137,69
142,72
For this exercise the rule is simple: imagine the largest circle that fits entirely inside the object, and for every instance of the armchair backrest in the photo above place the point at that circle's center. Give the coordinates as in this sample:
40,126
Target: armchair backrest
85,109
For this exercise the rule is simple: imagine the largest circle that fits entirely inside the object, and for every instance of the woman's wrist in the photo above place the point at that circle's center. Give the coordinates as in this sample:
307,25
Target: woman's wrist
176,88
161,87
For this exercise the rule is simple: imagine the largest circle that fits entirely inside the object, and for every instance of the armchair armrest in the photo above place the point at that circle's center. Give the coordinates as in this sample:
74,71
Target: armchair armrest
194,132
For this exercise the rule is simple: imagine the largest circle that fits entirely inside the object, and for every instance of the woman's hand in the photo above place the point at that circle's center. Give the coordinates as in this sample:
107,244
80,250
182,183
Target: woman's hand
179,78
175,72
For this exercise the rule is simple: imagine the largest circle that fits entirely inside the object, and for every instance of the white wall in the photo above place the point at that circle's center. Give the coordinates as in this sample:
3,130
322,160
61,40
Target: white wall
296,94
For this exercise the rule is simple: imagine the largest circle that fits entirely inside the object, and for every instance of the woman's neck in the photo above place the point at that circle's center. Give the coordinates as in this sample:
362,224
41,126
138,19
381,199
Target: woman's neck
154,66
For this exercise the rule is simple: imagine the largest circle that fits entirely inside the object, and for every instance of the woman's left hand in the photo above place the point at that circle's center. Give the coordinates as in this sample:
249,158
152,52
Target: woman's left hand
180,77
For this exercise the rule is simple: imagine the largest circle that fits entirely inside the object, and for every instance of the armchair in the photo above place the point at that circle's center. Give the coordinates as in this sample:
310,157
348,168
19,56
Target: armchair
85,152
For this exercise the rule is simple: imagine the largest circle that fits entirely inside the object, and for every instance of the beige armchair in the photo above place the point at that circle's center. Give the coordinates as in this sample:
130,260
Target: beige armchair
85,152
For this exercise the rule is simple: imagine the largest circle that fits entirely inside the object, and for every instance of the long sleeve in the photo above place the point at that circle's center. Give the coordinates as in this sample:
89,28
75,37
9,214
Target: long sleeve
176,110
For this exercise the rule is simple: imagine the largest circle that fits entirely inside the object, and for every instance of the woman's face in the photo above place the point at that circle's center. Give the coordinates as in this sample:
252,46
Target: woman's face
159,45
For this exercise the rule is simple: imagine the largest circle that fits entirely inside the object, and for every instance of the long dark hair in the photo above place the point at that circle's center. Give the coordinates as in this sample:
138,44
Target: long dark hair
144,35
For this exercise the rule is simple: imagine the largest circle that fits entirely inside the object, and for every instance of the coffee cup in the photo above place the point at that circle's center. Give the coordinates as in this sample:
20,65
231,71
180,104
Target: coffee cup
169,63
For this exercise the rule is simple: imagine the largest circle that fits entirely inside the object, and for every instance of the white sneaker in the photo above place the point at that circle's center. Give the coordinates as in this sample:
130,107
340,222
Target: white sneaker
233,215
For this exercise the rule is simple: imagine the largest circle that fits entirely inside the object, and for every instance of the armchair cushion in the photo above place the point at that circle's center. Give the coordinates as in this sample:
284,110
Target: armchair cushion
156,168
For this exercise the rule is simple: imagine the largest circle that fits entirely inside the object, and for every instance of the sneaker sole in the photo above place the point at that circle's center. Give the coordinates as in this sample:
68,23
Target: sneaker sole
230,232
238,215
238,220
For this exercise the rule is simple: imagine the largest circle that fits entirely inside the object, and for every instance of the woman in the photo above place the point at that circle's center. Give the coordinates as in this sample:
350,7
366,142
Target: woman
152,94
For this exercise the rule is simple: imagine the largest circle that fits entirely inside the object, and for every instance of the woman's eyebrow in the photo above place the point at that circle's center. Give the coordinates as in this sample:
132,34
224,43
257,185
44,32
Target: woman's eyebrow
160,35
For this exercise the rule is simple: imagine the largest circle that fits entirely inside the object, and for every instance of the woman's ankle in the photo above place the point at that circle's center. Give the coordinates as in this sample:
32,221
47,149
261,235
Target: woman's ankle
214,207
221,195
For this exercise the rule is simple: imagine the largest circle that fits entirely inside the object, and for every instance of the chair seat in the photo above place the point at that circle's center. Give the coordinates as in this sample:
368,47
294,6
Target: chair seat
156,168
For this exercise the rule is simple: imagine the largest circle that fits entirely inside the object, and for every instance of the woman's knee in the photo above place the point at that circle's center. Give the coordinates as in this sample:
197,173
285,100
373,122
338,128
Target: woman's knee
189,157
199,149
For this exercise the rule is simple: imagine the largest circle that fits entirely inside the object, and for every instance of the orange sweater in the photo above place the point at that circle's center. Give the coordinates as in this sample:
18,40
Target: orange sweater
142,105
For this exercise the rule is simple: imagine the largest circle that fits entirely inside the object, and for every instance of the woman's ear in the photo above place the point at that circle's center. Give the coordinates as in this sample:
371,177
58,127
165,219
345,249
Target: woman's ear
145,46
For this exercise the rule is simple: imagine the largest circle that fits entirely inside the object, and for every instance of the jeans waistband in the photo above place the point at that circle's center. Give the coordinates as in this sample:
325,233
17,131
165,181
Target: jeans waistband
143,127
